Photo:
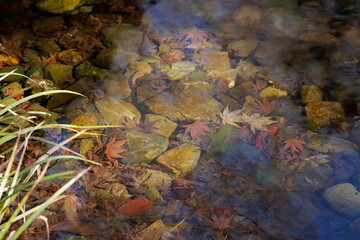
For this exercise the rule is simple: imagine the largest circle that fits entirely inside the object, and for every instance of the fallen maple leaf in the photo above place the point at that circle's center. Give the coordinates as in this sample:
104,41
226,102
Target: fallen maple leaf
260,140
265,107
198,128
294,145
136,206
114,149
196,35
230,117
256,121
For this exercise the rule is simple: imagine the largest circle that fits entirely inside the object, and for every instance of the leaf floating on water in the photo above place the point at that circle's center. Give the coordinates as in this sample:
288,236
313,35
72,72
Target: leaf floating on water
136,206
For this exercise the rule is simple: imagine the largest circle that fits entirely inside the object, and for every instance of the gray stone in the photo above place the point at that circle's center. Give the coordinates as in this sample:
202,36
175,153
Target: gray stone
328,144
344,198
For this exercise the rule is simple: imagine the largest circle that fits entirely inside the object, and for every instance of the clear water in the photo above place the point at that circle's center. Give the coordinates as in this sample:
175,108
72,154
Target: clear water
246,192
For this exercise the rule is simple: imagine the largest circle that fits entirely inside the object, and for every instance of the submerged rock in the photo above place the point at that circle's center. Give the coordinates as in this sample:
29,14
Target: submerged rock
243,48
59,73
311,93
344,198
325,113
272,93
180,160
165,127
125,37
247,16
328,144
117,85
180,69
184,103
47,46
143,147
59,7
12,78
115,111
87,69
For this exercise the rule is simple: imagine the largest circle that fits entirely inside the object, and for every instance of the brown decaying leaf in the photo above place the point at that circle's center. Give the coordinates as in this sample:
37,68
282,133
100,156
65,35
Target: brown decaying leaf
196,129
294,145
265,107
114,149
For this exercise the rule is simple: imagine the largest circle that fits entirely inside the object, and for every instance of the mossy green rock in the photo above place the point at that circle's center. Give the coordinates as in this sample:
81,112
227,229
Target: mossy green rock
47,46
272,93
180,160
311,93
87,69
143,147
115,111
59,73
12,77
180,69
59,7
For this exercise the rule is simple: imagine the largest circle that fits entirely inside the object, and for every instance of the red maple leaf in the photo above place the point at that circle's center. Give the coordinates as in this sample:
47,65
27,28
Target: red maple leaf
136,206
114,149
198,128
260,140
265,107
294,145
196,35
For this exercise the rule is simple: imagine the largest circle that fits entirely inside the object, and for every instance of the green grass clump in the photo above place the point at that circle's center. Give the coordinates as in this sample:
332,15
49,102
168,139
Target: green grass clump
16,180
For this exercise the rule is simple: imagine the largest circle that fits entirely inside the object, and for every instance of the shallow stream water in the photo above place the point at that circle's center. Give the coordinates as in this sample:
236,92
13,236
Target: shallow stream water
274,84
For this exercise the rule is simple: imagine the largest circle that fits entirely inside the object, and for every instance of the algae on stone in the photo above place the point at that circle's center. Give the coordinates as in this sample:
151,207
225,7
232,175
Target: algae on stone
115,111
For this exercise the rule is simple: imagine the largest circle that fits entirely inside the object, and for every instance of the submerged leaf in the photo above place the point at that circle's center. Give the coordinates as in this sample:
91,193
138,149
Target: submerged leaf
114,149
196,129
136,206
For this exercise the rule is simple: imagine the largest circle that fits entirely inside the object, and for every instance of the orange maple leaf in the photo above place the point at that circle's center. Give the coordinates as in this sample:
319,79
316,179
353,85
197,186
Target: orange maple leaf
198,128
114,149
294,145
136,206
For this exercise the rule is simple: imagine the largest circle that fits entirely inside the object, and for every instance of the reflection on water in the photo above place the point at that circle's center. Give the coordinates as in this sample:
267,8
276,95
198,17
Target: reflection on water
239,119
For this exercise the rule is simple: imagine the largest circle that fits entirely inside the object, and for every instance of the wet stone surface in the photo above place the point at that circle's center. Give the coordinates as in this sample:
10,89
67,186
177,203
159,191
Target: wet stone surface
225,119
